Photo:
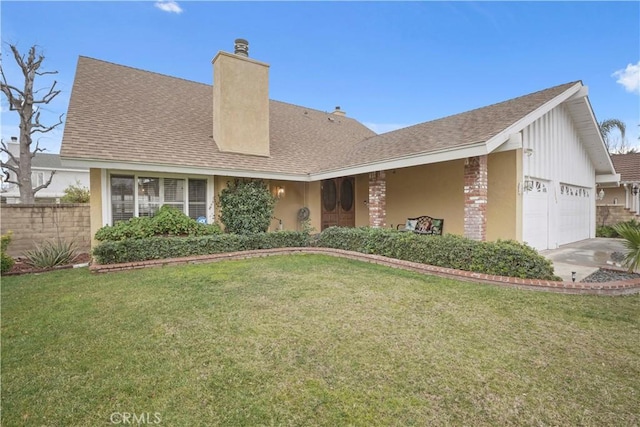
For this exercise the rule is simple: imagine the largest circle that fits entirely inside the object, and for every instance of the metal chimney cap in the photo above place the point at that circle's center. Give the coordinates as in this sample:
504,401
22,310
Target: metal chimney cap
241,47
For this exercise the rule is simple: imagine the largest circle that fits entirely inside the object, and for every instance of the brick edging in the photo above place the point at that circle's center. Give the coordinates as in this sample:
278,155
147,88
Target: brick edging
625,287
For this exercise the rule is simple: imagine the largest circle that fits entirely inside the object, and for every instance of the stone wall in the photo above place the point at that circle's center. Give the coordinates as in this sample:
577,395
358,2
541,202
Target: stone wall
34,224
613,214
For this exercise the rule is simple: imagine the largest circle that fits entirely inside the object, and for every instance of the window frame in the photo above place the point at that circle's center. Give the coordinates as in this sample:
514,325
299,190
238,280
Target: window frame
136,175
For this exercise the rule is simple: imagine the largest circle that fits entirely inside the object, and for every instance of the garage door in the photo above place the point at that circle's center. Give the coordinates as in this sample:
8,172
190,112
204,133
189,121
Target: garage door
535,230
574,210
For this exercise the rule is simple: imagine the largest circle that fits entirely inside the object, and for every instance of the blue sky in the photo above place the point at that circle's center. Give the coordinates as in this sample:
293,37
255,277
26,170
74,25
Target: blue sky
387,64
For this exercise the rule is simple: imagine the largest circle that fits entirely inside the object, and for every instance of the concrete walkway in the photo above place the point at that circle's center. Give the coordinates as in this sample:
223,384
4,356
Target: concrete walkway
583,257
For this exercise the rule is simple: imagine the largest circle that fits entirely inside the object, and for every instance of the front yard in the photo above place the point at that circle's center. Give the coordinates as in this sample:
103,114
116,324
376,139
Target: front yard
311,340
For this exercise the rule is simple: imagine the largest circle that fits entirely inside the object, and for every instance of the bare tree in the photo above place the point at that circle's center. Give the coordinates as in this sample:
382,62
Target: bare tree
23,102
606,126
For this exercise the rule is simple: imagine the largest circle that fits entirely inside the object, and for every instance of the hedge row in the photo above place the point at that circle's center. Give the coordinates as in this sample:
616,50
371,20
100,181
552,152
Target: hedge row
131,250
502,258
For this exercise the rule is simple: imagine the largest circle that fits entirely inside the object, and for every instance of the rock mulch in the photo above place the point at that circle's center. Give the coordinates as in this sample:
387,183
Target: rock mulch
607,275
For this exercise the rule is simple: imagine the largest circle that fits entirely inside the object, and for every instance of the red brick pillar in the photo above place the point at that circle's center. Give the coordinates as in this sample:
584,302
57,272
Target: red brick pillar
475,198
377,199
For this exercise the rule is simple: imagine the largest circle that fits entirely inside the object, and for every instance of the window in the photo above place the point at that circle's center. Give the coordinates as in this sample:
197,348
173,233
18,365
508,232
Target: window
174,193
197,198
148,196
37,179
143,196
122,203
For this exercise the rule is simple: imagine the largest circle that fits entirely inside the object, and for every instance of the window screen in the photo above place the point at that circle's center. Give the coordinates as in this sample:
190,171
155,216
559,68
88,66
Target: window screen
122,198
174,193
197,198
148,196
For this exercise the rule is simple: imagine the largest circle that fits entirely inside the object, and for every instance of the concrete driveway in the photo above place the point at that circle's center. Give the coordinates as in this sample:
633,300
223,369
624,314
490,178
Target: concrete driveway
583,257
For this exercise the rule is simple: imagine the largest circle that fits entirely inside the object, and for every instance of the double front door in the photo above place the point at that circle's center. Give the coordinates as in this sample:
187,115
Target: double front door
338,202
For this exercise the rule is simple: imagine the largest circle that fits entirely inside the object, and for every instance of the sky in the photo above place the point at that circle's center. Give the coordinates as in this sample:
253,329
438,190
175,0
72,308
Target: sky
386,64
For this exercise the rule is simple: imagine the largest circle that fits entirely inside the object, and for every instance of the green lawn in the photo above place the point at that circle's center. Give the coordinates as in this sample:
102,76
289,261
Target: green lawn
311,340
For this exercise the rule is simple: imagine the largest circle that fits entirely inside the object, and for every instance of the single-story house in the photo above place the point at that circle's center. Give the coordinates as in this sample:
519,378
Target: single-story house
622,202
42,165
523,169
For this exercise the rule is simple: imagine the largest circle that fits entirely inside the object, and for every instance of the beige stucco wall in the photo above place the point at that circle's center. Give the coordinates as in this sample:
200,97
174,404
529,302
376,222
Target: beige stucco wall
503,199
436,190
95,201
610,194
240,104
362,194
296,195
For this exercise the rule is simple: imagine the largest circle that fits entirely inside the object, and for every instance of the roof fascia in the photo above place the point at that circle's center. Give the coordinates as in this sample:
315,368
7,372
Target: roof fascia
186,170
477,149
603,146
608,179
503,136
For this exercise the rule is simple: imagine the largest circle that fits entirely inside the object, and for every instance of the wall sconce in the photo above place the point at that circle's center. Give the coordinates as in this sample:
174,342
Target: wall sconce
279,192
528,151
366,203
601,194
635,189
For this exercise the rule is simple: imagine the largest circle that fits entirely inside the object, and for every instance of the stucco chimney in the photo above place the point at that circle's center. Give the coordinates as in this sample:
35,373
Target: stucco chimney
240,102
339,112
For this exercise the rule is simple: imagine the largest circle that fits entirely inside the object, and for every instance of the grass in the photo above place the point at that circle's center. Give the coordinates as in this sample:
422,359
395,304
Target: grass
311,340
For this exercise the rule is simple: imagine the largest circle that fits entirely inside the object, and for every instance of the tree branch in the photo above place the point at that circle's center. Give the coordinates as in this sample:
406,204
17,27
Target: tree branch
46,184
37,127
12,168
5,149
42,73
49,96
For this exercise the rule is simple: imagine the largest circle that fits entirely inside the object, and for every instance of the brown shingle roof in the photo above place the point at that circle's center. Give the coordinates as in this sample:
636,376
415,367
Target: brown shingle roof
118,113
123,114
459,130
628,166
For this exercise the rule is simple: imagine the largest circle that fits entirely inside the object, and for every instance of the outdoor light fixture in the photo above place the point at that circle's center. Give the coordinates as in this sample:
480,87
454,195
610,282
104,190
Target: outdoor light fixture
635,190
573,276
279,192
601,194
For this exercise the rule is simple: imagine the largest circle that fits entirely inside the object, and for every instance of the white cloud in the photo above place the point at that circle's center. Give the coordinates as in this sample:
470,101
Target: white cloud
629,78
170,6
384,127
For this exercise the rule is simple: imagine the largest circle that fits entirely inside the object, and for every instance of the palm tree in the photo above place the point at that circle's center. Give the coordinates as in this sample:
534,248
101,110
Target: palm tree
606,126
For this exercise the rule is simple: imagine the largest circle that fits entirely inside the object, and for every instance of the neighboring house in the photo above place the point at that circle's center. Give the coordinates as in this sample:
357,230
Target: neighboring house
621,203
41,167
525,169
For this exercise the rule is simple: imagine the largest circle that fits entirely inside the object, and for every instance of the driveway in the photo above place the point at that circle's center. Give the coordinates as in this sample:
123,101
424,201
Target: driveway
583,257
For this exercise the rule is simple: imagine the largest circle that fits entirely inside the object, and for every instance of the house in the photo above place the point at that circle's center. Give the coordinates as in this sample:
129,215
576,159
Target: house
523,169
621,203
42,165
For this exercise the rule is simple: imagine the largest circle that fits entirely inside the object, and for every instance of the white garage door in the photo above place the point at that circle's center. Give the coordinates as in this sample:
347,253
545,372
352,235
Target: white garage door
574,210
535,229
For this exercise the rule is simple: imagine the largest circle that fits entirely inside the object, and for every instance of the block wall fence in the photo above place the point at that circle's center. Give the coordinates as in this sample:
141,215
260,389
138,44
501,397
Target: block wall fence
34,224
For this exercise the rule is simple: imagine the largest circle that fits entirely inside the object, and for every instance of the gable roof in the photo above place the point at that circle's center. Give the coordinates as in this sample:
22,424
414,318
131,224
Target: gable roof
628,166
119,114
126,118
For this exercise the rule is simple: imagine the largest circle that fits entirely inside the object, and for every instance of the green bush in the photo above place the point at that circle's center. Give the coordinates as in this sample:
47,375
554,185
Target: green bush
246,207
503,258
630,232
75,194
51,253
169,221
6,262
131,250
612,231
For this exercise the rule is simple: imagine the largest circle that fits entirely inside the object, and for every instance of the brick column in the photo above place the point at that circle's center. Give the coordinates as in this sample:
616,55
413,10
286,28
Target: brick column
475,198
377,199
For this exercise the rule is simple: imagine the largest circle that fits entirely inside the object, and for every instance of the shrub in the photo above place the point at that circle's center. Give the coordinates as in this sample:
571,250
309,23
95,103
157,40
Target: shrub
169,221
606,231
75,194
131,250
51,253
246,207
630,232
6,262
504,258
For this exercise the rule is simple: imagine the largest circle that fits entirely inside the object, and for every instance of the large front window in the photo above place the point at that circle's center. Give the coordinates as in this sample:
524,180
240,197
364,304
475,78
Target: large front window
186,194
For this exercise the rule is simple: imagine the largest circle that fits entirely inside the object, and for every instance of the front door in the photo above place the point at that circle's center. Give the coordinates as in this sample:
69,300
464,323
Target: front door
338,202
